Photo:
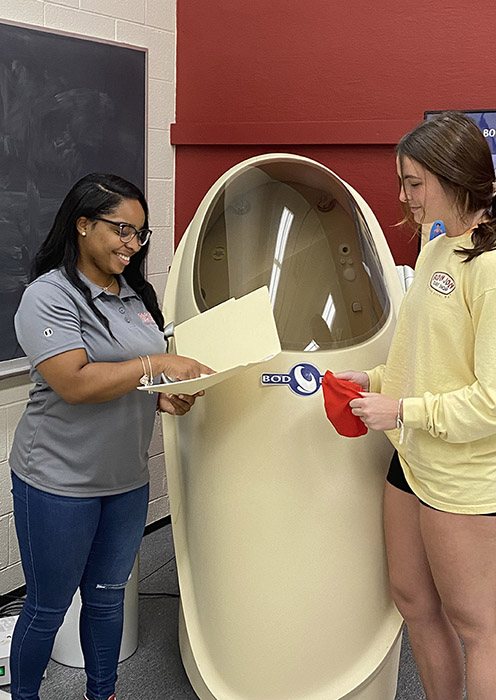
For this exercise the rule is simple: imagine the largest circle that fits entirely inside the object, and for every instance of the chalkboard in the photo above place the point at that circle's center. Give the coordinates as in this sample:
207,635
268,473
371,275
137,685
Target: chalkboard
68,106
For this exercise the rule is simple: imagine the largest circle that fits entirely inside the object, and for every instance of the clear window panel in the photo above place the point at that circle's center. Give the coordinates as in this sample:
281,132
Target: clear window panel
295,228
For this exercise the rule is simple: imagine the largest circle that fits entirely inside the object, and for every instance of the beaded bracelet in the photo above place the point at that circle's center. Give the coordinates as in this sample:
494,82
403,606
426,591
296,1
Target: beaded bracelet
147,378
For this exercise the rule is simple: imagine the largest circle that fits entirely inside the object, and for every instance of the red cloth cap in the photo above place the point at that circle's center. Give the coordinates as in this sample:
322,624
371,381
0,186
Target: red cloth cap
337,395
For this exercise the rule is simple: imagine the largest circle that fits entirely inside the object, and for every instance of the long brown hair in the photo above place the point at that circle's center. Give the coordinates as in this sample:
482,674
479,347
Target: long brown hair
452,147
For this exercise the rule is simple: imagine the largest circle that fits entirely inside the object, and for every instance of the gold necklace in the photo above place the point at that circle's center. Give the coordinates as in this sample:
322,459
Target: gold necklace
105,289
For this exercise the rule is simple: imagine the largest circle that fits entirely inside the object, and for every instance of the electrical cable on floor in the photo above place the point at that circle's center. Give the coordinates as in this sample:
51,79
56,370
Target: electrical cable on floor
13,607
159,595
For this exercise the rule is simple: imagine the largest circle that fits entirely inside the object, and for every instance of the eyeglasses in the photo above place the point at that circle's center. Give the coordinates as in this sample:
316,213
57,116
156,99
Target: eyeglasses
127,231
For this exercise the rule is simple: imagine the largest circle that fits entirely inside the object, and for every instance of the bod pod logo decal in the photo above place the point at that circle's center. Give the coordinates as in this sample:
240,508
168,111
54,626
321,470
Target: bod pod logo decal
303,379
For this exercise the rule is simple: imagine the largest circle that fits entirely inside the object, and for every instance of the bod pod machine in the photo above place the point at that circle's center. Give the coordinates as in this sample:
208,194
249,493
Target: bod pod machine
277,519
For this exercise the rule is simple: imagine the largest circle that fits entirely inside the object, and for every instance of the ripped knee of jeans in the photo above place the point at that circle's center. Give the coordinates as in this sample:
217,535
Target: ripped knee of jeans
113,586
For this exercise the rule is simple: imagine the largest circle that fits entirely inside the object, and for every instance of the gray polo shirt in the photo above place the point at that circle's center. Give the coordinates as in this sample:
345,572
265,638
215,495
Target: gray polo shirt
92,449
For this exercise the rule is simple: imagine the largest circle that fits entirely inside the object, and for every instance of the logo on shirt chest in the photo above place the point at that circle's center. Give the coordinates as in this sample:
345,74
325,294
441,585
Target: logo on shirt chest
147,318
442,282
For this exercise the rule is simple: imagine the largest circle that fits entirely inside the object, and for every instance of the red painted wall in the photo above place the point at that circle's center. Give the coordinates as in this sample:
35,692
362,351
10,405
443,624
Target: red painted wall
332,80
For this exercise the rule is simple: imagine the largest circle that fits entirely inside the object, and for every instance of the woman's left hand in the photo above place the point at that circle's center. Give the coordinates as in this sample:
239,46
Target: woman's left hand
177,405
377,411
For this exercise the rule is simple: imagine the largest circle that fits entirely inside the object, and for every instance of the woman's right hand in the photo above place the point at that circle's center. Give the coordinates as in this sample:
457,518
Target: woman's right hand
178,368
360,378
78,381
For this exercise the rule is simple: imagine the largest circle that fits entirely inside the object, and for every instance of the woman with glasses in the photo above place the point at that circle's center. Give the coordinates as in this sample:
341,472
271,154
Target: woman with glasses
91,327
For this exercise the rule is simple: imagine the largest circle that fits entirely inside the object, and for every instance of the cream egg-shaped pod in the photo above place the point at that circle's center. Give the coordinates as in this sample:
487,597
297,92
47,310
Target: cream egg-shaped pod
277,519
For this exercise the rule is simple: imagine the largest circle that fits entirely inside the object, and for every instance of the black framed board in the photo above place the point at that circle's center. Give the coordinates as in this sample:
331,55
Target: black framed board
68,106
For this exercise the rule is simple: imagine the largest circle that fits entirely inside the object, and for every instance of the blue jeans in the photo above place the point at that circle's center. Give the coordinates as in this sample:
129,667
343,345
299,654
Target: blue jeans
66,543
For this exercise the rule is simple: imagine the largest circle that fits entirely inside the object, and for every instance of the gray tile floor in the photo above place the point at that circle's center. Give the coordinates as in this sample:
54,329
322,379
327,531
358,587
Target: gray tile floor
155,671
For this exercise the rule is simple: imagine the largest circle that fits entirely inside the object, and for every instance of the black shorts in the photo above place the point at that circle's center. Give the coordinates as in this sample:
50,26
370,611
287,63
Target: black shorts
396,478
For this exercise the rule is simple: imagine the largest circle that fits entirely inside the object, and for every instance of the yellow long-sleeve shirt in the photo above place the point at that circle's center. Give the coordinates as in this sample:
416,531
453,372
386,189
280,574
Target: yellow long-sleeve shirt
442,361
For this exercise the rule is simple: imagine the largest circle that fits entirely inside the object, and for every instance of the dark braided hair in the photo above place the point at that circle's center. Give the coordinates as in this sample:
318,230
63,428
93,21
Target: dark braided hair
452,147
94,195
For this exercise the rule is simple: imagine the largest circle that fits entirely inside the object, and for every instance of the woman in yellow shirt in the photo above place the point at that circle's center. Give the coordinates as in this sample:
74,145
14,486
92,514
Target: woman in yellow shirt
437,395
